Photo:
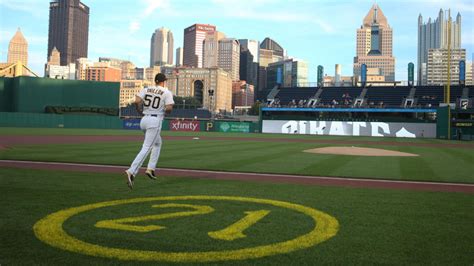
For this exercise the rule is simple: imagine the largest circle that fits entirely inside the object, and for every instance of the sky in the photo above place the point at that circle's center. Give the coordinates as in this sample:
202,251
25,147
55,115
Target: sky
321,32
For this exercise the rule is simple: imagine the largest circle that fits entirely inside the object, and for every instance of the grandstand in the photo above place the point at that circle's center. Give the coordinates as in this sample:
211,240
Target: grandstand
372,96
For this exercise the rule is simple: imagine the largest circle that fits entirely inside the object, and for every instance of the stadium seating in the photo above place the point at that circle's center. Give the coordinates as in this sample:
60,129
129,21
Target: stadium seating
340,95
287,95
425,96
389,96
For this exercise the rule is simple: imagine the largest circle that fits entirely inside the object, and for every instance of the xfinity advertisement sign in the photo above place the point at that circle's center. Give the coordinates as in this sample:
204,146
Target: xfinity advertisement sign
335,128
185,125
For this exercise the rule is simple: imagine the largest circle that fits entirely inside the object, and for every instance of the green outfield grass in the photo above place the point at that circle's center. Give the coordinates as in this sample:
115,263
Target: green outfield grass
433,164
116,132
375,226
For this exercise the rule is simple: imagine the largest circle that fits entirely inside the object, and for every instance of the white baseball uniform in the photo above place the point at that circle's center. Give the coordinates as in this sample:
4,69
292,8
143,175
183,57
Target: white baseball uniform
154,101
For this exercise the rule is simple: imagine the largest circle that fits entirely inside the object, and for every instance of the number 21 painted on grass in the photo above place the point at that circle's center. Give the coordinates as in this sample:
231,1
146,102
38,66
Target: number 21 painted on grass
230,233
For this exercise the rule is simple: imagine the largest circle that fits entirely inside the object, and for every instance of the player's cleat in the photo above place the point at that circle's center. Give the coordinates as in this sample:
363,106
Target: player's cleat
130,179
151,174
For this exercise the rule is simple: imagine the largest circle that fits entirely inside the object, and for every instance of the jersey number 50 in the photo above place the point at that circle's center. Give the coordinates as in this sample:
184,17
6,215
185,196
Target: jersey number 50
154,101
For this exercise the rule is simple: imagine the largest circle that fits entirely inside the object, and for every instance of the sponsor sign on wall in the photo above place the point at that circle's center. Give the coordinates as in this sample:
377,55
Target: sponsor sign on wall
335,128
131,124
185,125
234,127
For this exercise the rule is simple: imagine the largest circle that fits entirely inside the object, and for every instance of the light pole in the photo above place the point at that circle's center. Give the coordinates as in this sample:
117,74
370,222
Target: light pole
211,94
184,104
246,93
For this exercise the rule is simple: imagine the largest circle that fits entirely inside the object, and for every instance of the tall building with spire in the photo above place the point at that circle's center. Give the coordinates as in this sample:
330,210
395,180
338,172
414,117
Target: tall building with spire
68,29
374,46
161,48
55,57
18,49
434,35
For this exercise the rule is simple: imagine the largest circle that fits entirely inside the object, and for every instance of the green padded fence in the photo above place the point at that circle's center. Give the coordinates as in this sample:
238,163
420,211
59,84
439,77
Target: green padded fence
32,95
53,120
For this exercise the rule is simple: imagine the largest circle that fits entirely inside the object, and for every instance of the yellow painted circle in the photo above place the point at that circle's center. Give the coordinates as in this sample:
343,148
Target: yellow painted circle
50,230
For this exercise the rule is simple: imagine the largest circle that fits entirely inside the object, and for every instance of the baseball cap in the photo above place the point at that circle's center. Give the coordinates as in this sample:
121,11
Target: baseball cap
160,77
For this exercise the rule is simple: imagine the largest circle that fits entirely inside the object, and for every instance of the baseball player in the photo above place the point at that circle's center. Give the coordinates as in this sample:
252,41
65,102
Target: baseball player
157,100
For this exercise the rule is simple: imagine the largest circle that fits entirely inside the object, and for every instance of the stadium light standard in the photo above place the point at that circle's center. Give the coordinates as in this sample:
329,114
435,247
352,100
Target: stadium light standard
184,103
246,92
211,96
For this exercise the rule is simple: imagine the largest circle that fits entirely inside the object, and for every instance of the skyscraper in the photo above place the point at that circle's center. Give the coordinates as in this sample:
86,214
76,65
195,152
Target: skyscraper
270,52
18,49
68,29
162,47
374,45
287,73
436,72
211,49
193,44
434,35
249,56
229,57
179,56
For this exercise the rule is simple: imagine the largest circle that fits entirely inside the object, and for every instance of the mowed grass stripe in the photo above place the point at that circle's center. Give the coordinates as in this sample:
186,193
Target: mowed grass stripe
453,163
327,165
264,153
417,166
191,145
464,156
202,150
370,167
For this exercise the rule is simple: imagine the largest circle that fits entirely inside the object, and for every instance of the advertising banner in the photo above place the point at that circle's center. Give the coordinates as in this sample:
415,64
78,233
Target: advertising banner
411,74
363,73
335,128
131,124
184,125
279,76
462,72
234,127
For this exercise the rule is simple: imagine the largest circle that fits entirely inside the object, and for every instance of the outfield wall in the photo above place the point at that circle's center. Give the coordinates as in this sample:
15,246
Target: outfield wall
190,125
370,122
32,95
342,128
8,119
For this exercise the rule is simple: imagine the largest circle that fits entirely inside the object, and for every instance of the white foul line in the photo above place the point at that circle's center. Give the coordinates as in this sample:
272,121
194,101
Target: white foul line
254,174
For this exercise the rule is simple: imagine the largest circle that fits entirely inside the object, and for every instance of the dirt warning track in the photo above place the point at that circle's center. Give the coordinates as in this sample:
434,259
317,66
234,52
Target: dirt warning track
274,178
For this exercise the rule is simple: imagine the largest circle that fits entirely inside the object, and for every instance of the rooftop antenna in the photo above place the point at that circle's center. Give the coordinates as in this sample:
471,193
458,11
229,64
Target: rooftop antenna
375,12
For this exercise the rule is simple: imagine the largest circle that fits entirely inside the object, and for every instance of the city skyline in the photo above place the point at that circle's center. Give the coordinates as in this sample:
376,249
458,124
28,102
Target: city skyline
311,31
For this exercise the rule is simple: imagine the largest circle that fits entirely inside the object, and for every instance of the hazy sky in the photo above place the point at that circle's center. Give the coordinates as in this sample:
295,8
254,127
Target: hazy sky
322,32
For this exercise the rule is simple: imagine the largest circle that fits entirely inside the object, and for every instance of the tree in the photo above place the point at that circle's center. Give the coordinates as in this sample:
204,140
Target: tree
255,108
186,102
